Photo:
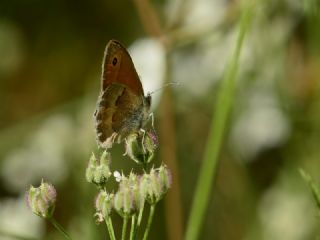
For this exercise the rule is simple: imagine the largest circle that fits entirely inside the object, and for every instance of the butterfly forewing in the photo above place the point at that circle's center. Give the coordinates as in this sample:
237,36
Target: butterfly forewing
118,68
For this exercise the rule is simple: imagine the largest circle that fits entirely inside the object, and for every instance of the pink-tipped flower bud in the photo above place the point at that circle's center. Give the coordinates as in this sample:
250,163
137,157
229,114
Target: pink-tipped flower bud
129,198
165,177
42,199
156,184
139,195
98,171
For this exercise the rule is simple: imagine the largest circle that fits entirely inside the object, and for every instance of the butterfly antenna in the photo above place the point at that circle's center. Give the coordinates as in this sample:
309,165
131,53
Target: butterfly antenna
164,86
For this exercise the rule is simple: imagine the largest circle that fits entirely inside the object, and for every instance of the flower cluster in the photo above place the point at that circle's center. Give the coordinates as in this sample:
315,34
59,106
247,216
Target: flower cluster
42,199
132,193
98,171
156,184
134,190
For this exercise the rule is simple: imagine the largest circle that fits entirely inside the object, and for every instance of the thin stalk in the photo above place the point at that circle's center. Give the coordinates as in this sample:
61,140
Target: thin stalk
133,229
146,233
124,228
59,228
221,113
110,228
168,153
140,216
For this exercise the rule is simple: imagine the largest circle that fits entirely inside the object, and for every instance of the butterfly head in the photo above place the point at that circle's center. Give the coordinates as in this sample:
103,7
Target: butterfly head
148,100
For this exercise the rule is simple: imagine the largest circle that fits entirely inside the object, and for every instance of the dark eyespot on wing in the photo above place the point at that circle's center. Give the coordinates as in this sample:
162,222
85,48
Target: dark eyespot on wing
114,61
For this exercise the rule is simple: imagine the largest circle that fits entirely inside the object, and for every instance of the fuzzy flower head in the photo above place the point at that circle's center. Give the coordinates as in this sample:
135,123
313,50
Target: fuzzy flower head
129,198
156,184
41,200
103,204
98,171
139,196
141,146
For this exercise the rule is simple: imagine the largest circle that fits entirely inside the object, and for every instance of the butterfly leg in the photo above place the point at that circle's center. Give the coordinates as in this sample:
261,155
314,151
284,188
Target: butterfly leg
109,142
142,141
126,152
151,116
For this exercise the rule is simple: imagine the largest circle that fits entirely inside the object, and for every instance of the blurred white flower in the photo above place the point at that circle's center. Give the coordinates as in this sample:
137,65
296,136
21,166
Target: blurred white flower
262,125
148,56
206,12
286,212
198,68
43,156
16,218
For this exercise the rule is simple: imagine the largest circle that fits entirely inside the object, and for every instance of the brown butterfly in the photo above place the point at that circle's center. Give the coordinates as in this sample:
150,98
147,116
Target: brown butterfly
122,107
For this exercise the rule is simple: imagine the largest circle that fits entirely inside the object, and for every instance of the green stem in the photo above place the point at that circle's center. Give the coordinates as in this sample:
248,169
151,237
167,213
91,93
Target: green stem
59,228
146,233
221,113
140,216
110,228
124,228
133,227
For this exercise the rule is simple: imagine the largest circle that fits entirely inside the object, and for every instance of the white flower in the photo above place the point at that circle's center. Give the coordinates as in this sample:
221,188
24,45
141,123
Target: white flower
117,176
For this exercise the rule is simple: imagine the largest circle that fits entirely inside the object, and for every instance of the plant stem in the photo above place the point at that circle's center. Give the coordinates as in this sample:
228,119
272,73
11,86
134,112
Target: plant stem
110,228
59,228
152,209
220,112
124,228
140,216
168,153
133,227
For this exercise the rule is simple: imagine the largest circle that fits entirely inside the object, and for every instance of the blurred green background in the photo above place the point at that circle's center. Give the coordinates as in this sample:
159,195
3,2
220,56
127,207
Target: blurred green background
50,66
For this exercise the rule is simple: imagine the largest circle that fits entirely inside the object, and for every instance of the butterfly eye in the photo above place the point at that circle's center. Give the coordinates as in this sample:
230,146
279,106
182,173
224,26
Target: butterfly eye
114,61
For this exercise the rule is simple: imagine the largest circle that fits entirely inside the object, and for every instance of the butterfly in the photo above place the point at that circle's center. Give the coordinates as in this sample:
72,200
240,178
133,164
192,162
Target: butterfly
122,108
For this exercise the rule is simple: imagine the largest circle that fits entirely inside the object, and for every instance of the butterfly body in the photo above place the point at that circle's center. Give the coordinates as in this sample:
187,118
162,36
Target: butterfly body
122,107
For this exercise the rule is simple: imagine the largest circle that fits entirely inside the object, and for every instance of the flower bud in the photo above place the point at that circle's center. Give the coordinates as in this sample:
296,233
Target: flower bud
123,201
129,199
98,172
156,184
140,146
42,199
104,204
139,195
165,177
